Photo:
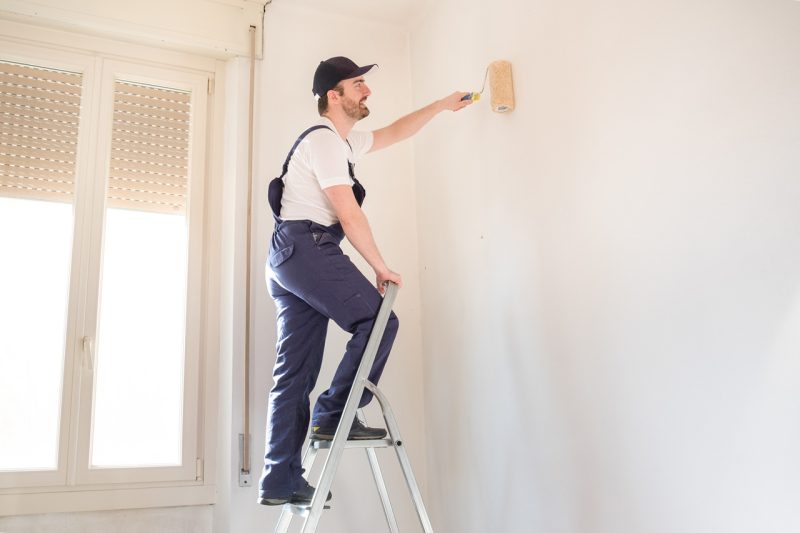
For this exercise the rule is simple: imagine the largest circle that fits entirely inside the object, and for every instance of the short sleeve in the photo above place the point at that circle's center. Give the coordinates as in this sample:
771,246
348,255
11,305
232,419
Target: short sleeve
360,142
328,159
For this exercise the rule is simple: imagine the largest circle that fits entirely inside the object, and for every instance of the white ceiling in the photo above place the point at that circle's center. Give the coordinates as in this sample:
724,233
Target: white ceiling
390,11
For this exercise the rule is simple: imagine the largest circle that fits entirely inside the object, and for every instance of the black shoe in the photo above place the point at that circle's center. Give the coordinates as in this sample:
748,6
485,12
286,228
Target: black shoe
357,432
299,497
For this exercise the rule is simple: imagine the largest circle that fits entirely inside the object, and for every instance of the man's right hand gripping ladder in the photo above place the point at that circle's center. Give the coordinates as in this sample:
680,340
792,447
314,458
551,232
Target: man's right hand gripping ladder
336,447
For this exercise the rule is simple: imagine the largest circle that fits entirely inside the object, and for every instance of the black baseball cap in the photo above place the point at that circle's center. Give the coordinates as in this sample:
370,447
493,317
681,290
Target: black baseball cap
333,70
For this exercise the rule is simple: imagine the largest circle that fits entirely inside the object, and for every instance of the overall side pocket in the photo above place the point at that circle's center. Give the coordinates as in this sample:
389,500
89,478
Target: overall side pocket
279,257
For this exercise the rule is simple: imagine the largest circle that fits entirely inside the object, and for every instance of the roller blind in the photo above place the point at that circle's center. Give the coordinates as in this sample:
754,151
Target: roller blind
40,110
150,148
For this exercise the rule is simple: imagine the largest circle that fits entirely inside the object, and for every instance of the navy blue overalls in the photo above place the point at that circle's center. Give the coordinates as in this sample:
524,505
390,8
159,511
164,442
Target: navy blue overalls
312,282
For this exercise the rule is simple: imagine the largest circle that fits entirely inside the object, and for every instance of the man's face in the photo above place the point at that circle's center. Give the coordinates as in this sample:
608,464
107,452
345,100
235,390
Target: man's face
355,97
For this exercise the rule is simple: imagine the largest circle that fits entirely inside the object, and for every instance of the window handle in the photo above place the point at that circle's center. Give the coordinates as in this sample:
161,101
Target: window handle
88,353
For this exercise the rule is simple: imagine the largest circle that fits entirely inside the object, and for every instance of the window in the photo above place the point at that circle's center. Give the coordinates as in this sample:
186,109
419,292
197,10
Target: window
137,412
102,172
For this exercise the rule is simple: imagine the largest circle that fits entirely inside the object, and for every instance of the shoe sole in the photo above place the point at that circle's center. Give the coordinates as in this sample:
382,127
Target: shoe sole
299,503
330,437
284,501
273,501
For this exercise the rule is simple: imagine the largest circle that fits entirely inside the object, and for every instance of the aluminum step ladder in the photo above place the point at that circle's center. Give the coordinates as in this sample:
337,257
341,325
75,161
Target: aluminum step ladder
312,513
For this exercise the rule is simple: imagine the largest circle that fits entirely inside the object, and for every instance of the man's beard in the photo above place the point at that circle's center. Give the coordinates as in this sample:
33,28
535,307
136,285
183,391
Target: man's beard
353,110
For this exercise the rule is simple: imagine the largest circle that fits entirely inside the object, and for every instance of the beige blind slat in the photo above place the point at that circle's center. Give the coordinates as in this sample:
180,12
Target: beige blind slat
150,149
39,115
52,78
24,162
41,131
168,116
133,140
153,132
27,99
166,156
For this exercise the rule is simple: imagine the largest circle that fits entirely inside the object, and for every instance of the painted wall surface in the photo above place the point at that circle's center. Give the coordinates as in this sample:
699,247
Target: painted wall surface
297,39
611,273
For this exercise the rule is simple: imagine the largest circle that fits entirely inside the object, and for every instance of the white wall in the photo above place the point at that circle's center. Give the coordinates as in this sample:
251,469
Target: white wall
196,519
611,273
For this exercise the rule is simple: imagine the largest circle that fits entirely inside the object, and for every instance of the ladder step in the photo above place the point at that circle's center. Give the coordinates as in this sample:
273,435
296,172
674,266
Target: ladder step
373,443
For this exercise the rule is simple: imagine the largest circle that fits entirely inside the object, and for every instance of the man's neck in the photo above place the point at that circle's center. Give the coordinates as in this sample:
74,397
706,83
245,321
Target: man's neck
341,122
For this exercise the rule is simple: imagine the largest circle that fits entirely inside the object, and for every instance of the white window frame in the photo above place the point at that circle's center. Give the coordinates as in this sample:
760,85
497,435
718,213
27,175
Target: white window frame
118,71
73,486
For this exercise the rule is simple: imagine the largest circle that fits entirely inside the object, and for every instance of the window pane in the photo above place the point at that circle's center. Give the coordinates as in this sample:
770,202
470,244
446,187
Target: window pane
138,403
35,239
139,388
39,115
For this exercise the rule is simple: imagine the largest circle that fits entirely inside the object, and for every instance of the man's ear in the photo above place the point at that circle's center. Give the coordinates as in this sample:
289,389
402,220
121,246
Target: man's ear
333,96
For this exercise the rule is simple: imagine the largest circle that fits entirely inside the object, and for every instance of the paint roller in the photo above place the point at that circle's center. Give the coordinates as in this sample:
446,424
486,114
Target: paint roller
501,87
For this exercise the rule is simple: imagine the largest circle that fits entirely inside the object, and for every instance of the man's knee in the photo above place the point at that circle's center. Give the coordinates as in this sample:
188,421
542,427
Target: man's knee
295,379
392,325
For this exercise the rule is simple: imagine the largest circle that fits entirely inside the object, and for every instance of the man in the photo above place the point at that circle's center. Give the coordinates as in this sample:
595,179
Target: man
316,203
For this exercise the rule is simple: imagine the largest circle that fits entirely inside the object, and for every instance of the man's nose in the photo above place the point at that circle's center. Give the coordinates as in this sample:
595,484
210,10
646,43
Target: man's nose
365,90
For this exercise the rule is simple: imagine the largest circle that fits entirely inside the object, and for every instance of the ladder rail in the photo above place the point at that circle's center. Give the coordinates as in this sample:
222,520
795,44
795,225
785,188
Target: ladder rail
377,475
405,463
349,412
384,494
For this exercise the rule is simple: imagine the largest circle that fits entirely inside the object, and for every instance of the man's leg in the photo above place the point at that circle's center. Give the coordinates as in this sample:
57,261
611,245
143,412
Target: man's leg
330,403
301,341
352,301
318,272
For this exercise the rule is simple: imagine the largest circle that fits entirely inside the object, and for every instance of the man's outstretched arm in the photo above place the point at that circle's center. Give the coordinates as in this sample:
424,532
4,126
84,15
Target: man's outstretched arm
405,127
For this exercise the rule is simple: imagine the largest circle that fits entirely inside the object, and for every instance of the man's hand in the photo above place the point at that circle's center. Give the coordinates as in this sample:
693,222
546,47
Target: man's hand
454,102
387,275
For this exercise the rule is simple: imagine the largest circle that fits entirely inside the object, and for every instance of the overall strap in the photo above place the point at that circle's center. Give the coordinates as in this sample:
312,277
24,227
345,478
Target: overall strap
350,165
297,143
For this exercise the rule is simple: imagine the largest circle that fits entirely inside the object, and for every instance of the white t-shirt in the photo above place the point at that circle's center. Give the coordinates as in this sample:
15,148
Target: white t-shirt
319,162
